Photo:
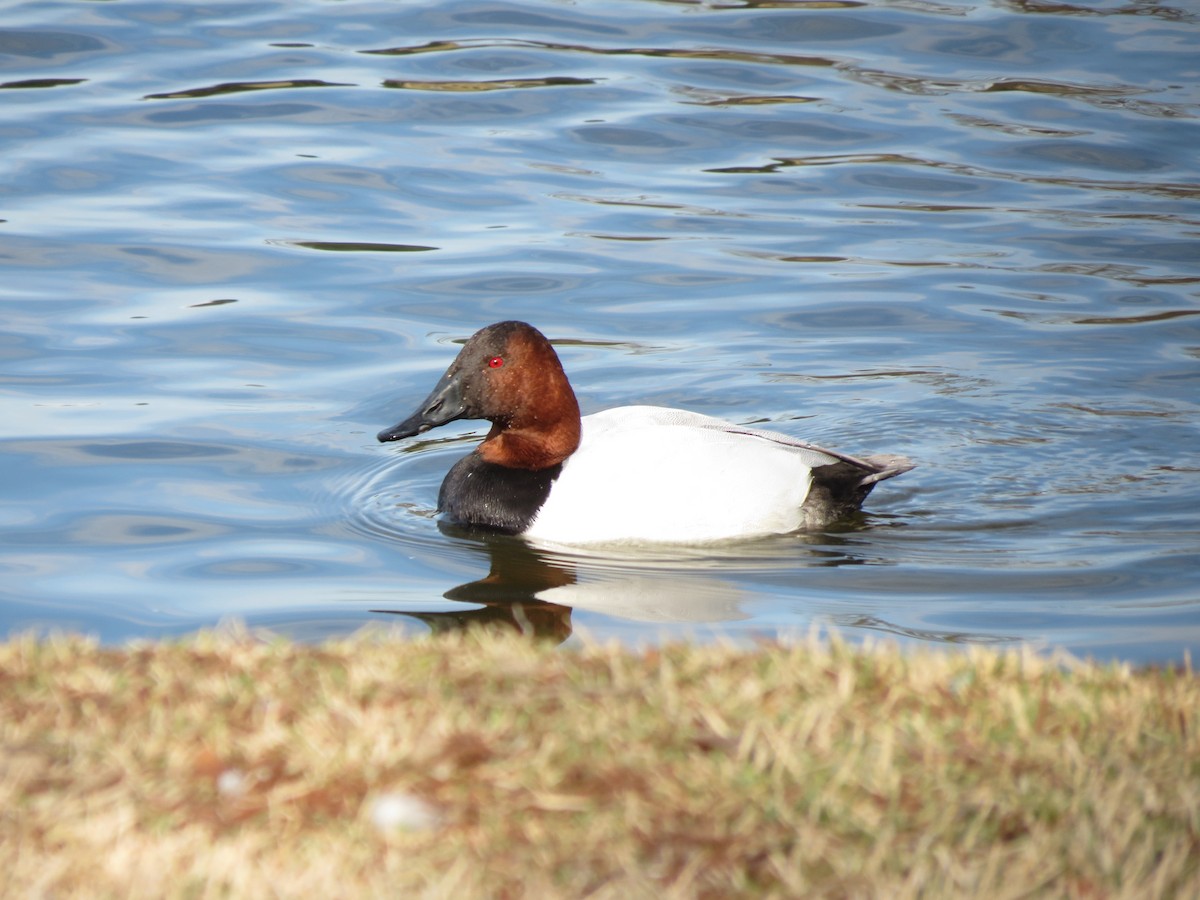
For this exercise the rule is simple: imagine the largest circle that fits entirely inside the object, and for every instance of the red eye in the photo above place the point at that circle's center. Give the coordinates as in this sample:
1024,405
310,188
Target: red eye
496,362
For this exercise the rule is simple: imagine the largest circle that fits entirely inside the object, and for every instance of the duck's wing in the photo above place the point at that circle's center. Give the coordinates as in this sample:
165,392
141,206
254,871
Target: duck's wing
869,470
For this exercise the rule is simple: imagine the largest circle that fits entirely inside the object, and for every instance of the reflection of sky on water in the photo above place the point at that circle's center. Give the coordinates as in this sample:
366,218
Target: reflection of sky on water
234,247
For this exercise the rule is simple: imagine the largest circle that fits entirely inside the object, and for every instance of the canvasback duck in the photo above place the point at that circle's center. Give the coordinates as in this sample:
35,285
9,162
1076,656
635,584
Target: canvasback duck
629,474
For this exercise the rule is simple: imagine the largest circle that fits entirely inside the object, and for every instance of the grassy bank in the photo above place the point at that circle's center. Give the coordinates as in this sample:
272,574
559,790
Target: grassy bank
487,766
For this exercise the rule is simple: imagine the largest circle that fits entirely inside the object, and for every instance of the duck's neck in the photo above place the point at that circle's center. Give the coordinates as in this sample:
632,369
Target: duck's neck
536,440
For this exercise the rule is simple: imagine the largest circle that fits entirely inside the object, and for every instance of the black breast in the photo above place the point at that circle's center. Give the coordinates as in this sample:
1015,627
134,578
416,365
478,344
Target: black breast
481,494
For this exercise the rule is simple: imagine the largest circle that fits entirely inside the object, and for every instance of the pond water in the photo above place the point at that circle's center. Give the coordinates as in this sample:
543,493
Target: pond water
240,238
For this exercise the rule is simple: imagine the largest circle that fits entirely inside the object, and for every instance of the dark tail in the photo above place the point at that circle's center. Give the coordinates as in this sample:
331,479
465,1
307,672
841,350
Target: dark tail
840,488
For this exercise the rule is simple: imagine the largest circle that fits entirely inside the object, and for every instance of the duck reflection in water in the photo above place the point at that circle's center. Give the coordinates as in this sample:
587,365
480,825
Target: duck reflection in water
508,597
534,590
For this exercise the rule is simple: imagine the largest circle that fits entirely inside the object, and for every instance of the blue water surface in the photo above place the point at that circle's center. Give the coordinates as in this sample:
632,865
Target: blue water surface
240,238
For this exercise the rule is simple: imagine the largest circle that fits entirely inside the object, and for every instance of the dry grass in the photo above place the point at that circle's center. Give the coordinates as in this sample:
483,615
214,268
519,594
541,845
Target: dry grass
230,767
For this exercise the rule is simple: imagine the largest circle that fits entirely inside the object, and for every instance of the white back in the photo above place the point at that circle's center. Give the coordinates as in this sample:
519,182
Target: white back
645,473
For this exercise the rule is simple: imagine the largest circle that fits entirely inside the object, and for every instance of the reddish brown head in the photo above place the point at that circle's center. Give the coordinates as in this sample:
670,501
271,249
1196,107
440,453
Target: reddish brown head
509,374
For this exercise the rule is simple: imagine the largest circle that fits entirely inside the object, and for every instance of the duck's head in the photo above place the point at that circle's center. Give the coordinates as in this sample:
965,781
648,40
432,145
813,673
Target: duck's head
509,374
